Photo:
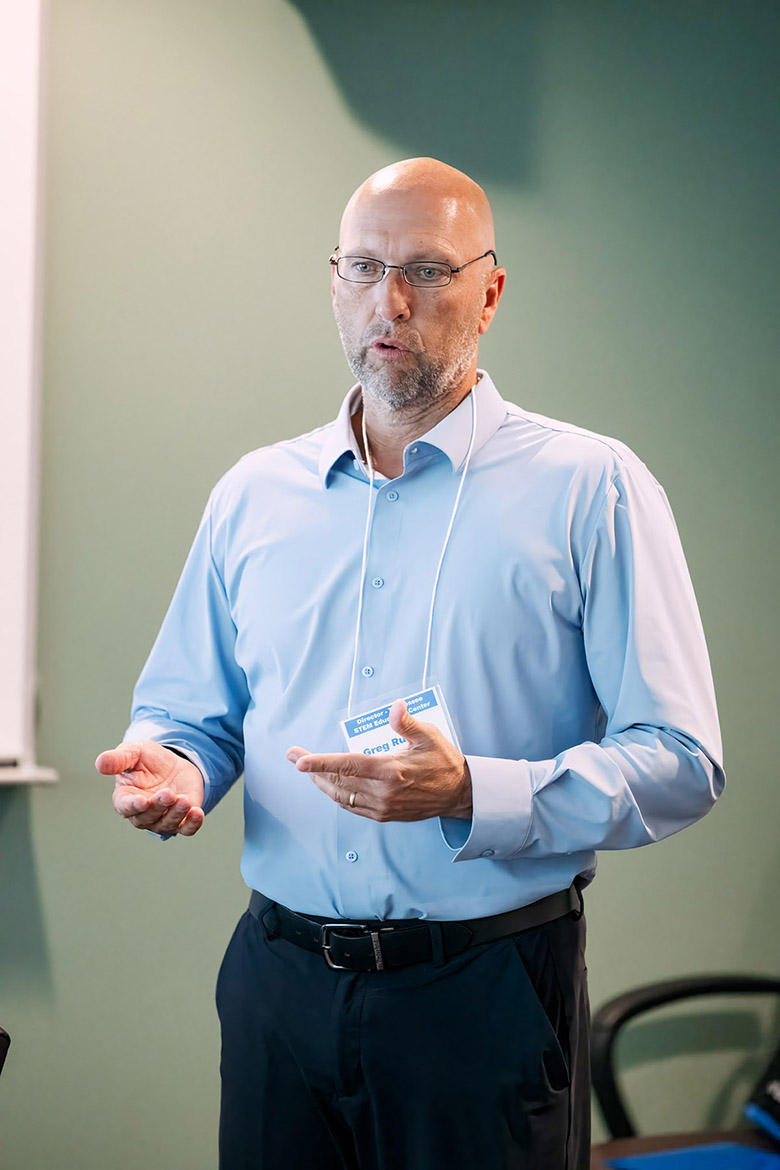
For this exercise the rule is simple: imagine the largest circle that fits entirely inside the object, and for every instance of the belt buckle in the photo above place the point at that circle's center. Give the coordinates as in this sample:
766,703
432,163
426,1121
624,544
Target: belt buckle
362,931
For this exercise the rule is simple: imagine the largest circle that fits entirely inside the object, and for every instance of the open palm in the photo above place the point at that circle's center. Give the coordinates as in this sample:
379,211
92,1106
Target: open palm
155,788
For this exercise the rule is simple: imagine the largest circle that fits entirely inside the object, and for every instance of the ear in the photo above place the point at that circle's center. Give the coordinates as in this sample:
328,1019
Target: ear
492,297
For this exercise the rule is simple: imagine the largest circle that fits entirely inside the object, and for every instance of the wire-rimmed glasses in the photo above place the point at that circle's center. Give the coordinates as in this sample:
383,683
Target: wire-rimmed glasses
418,273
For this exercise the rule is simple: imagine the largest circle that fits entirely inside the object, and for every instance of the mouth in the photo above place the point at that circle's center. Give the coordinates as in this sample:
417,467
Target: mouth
388,348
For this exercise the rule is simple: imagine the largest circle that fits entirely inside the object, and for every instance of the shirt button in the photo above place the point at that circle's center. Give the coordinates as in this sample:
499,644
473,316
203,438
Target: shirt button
392,495
378,582
351,855
488,853
367,671
414,450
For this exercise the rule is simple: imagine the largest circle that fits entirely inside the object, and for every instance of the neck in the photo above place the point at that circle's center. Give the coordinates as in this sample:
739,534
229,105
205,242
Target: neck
390,431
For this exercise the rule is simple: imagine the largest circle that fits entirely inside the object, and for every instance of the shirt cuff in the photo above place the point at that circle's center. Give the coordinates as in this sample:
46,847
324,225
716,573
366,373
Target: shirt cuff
195,759
501,818
209,794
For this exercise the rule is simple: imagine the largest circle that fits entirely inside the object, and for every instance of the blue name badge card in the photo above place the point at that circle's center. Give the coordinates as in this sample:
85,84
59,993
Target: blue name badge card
369,733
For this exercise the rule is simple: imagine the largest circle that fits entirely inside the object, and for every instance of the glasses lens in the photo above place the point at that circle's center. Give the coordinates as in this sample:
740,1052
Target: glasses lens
427,274
360,269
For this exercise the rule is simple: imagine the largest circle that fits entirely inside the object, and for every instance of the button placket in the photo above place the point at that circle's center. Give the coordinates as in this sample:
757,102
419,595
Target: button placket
375,634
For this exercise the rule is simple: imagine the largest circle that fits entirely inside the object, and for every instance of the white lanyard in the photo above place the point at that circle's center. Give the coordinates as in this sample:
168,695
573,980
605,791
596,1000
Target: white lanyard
369,514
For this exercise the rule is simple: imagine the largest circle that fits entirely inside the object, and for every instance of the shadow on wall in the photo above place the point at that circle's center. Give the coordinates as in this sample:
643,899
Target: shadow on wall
25,964
433,77
745,1034
679,98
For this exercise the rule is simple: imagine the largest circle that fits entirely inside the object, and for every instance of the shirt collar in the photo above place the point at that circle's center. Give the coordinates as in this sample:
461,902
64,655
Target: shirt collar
451,435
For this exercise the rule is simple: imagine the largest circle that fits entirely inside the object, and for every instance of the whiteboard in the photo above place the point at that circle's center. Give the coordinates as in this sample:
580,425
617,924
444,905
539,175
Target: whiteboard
20,40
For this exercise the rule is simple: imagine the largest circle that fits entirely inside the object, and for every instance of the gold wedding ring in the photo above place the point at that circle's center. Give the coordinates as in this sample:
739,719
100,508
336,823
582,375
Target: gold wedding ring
352,796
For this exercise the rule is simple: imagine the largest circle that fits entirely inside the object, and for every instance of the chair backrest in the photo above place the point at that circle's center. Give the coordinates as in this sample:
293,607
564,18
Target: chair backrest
5,1041
615,1013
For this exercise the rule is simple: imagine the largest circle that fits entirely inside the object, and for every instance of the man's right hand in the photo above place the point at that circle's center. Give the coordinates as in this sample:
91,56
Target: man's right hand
155,789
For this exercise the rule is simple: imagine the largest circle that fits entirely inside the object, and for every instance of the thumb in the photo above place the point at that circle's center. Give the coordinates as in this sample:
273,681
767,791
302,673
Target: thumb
406,724
119,759
296,753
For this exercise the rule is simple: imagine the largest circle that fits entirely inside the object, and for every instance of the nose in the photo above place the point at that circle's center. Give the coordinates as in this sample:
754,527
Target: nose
392,297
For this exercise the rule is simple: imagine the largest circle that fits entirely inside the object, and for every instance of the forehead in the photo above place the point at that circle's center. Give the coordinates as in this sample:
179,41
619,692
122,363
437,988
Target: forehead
408,223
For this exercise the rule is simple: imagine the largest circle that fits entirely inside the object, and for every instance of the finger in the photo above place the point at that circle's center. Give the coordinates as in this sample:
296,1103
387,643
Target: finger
120,759
406,725
130,800
346,765
342,792
324,781
192,822
295,753
339,789
163,820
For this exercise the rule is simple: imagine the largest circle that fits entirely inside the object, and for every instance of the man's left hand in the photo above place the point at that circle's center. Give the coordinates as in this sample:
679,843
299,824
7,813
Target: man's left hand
429,778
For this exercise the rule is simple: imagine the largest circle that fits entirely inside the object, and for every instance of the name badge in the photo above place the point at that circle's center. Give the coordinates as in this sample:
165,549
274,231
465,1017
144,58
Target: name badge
369,732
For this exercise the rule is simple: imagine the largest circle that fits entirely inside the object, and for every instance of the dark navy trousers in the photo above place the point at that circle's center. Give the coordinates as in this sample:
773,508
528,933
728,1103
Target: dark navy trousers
480,1064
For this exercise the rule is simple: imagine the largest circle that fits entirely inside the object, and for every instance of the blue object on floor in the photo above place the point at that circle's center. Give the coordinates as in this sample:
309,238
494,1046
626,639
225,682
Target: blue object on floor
723,1156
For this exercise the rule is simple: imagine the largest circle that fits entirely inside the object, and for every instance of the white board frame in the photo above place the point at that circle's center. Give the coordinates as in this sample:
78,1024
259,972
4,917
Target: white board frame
20,102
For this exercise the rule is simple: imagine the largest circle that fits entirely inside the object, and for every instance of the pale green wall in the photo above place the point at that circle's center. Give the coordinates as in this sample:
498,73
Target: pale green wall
197,157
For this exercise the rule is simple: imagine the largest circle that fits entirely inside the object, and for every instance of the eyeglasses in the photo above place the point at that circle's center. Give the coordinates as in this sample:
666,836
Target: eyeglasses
420,273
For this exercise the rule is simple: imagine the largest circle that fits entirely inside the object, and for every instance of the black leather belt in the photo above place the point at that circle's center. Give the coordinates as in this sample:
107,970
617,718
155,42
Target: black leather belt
384,945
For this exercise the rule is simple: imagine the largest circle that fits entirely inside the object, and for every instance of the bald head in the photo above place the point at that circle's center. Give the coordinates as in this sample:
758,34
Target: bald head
414,347
428,190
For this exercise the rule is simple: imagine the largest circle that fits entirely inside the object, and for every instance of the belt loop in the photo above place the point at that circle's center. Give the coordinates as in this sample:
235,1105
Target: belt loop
437,943
270,922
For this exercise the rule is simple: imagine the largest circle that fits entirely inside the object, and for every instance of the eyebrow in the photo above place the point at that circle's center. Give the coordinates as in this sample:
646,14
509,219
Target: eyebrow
434,257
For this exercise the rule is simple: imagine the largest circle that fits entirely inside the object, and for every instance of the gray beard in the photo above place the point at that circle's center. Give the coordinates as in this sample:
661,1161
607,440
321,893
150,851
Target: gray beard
419,388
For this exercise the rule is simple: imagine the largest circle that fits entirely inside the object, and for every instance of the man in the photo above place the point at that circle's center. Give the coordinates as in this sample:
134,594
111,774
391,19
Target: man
408,989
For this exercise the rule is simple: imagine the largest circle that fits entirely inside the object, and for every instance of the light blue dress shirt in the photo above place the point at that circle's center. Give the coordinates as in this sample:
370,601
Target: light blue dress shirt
566,639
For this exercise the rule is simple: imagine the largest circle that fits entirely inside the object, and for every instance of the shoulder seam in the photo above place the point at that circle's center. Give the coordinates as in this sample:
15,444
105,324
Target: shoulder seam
571,429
